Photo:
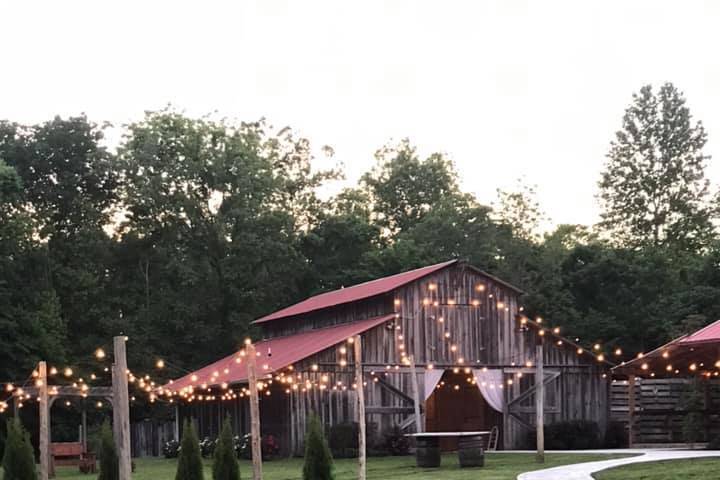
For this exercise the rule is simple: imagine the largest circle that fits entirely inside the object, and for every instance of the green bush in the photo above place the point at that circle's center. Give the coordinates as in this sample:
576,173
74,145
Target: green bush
189,465
343,440
318,460
109,467
225,465
19,457
396,443
571,435
616,436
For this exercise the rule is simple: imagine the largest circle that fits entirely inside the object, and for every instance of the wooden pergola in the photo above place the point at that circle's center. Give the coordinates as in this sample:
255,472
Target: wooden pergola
690,355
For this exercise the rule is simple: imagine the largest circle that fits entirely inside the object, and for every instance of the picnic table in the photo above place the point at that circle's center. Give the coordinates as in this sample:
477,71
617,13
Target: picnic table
470,448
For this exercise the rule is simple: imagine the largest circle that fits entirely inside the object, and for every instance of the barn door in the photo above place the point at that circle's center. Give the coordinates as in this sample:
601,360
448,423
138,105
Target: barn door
521,400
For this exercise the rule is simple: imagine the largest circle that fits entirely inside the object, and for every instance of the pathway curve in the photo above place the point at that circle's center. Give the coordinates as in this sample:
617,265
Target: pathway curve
584,471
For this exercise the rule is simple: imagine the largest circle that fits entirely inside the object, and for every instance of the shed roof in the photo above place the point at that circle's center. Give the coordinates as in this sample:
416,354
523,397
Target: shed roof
276,353
354,293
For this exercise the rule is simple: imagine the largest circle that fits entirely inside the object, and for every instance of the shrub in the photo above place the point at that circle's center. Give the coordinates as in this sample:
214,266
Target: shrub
616,436
269,447
318,460
343,440
692,402
396,443
109,467
18,458
225,465
171,449
207,447
571,435
189,461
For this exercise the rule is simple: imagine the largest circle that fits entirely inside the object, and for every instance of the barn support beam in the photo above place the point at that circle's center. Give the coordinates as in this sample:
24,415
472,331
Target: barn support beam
416,395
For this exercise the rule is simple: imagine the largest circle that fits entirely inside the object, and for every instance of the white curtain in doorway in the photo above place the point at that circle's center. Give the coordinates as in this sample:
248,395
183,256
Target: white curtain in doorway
432,377
490,383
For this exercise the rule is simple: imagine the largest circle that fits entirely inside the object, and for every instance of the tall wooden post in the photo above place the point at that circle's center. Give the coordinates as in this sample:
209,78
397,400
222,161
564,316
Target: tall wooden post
84,426
177,422
416,394
254,413
540,402
44,422
362,461
122,405
631,410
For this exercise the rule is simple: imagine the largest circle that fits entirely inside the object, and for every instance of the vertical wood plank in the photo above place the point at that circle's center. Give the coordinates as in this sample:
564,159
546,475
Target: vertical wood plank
360,407
254,412
631,410
416,394
122,405
44,422
540,403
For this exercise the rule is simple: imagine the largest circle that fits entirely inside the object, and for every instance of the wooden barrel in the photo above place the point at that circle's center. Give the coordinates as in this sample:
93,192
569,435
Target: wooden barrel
470,451
427,452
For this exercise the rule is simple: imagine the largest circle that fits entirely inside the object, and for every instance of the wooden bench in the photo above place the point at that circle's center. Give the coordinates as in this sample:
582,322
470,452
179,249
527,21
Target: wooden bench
73,453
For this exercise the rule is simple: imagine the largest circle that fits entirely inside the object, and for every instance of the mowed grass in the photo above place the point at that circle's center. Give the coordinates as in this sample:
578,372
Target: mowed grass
498,466
699,468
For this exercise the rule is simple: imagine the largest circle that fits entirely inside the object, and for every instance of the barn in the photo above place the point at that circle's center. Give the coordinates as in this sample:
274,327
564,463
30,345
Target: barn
459,330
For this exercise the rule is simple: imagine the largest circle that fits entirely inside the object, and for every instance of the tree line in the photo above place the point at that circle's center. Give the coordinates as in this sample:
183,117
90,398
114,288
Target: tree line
193,227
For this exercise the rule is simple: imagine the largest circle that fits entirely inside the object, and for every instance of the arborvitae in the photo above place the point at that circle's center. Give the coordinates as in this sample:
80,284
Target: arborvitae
318,460
225,464
19,457
190,465
109,466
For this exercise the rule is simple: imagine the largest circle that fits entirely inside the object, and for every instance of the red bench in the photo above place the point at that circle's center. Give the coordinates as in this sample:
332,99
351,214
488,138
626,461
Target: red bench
73,453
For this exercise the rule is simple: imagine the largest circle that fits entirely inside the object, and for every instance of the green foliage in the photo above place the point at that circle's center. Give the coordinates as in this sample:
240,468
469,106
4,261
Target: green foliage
108,456
654,189
189,465
19,459
571,435
693,404
343,440
318,460
225,464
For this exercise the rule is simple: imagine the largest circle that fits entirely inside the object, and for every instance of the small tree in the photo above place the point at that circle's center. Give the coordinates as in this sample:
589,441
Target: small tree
19,458
109,466
189,461
318,460
225,465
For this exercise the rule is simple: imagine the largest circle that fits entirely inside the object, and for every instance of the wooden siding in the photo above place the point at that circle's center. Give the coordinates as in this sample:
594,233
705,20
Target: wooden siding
486,334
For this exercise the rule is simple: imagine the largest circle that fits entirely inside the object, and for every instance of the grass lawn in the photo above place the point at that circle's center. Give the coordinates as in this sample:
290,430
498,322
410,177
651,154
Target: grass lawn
498,466
699,468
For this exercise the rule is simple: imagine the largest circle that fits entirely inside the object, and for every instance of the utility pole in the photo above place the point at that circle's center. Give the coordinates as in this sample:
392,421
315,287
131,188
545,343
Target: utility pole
254,412
122,405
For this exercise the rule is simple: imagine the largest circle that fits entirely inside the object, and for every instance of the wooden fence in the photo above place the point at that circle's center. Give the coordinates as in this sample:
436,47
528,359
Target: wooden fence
660,409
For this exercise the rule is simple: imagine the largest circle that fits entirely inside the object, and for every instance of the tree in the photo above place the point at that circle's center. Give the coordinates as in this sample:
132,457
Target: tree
520,211
189,465
318,459
653,189
225,464
109,466
19,459
403,188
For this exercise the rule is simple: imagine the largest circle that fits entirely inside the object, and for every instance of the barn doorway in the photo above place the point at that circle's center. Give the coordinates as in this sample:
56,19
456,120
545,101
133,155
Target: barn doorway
456,405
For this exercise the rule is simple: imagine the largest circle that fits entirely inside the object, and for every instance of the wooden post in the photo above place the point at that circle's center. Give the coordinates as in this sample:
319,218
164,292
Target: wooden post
122,405
254,413
362,461
84,426
540,402
631,410
44,422
177,422
416,395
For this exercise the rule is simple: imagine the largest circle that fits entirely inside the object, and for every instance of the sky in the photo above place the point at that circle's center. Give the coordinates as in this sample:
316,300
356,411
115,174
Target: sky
507,89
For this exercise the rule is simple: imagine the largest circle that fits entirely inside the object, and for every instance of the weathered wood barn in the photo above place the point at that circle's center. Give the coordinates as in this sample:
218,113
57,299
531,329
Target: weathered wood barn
462,329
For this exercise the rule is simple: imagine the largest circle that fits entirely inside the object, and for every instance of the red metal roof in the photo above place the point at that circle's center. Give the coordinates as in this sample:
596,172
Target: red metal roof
354,293
708,334
276,353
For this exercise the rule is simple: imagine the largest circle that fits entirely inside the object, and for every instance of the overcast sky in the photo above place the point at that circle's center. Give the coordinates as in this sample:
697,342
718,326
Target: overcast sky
508,89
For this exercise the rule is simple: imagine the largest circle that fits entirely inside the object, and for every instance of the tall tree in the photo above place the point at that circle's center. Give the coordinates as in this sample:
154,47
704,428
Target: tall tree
404,188
653,189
